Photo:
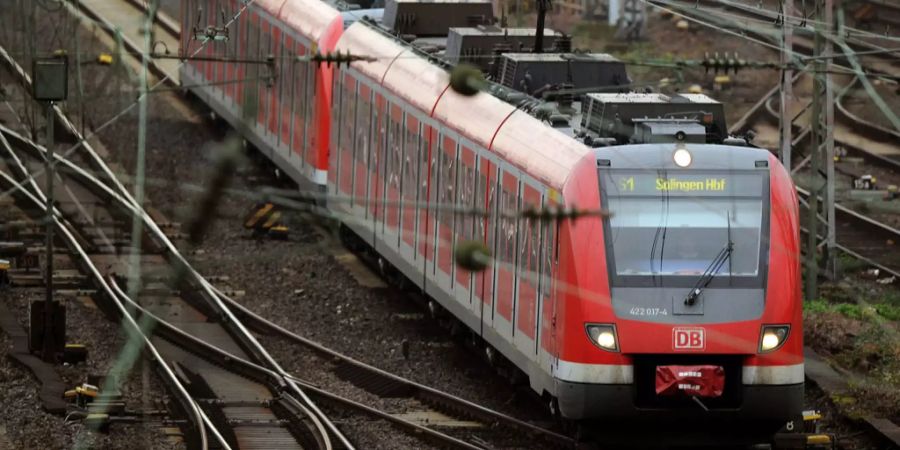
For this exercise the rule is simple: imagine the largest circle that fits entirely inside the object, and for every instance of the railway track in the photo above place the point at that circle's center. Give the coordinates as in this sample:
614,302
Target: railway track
217,353
270,413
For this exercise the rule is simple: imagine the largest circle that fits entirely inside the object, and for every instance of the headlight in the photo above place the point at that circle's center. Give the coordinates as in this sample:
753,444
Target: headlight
603,336
682,157
773,337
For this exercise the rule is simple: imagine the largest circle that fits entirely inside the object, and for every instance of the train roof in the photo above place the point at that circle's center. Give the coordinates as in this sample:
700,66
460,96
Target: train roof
562,87
500,127
309,18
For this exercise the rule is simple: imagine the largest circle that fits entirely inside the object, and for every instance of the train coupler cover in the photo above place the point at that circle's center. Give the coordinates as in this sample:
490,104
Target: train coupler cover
697,381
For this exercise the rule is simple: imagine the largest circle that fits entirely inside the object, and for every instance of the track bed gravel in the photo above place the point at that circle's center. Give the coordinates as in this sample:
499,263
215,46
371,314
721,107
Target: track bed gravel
27,426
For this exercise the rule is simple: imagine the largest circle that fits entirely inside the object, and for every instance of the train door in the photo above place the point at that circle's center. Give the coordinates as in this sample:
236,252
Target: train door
286,98
395,175
299,99
244,28
346,130
262,80
528,272
208,46
548,291
445,200
219,50
429,194
361,147
505,254
410,190
233,45
487,231
250,89
377,165
337,106
274,83
465,224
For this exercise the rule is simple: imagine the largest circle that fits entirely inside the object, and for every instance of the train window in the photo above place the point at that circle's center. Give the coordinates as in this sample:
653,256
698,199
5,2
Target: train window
674,225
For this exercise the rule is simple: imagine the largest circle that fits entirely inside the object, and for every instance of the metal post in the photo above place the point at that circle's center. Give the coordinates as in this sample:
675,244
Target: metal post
49,85
831,268
787,77
822,128
48,349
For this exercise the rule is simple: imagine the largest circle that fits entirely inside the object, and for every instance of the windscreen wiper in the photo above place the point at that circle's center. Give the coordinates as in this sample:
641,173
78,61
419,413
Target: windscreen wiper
711,271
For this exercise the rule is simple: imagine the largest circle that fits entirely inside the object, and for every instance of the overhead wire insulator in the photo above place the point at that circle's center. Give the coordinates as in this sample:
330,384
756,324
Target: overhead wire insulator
337,58
466,79
472,255
723,63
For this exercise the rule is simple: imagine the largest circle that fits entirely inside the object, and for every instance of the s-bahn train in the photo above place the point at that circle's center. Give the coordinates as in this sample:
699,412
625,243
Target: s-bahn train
682,305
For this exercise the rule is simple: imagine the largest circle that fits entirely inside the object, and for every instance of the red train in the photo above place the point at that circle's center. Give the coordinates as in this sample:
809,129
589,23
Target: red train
684,304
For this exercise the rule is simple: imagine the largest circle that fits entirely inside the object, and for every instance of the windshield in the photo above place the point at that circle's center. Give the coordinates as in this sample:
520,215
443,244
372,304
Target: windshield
673,223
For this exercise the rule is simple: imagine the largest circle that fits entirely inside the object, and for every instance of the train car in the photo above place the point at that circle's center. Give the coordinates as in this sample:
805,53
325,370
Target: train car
278,103
682,306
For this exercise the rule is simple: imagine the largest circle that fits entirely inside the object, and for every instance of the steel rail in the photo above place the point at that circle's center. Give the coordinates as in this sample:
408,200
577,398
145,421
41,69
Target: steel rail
868,221
220,356
229,319
201,421
262,324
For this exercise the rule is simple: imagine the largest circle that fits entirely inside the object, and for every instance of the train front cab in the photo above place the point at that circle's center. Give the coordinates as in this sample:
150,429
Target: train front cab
631,323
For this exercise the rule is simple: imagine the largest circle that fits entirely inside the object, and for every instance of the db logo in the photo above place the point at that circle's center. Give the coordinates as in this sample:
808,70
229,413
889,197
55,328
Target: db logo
689,338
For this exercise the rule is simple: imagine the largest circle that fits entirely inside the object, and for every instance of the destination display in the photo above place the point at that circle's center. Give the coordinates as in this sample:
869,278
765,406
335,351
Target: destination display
643,183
